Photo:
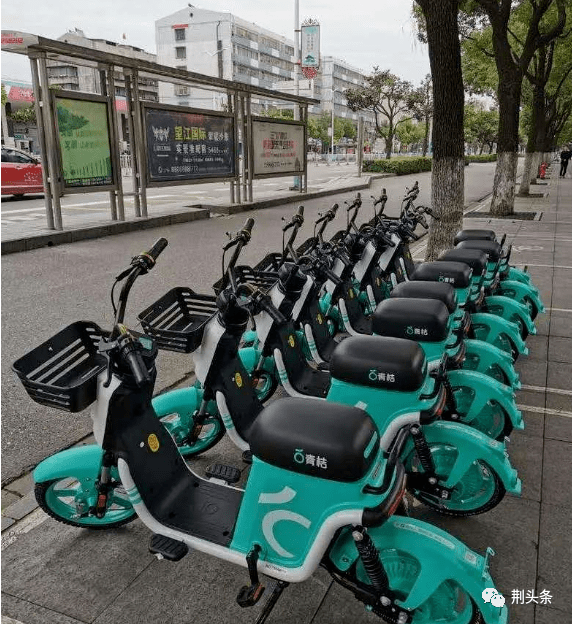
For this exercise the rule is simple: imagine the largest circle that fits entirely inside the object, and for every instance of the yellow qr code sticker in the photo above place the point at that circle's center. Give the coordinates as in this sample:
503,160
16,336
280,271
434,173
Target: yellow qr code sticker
238,379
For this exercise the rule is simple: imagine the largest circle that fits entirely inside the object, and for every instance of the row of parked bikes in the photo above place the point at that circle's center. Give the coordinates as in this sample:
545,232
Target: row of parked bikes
400,378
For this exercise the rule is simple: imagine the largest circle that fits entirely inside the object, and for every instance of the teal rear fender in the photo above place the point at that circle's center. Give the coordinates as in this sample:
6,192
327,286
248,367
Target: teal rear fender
441,557
182,401
81,462
509,309
496,325
250,336
486,389
472,445
519,291
518,275
488,355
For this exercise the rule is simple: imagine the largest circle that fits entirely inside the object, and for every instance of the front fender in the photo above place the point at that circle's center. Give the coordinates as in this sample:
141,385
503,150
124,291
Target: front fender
494,326
508,309
181,401
473,445
249,356
486,389
441,557
81,462
488,355
519,291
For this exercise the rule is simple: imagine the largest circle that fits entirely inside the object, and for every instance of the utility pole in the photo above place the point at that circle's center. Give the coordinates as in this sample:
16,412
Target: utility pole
297,182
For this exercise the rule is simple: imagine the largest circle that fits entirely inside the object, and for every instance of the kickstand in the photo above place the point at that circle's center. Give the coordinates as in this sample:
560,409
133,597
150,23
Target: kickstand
271,602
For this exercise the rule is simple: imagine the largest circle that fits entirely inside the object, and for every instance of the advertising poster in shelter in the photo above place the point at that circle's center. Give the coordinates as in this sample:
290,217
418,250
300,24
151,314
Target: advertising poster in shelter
83,134
279,148
184,145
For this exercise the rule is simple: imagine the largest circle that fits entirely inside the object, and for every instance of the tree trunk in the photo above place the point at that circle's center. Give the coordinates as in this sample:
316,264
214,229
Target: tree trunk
388,144
448,172
509,91
536,121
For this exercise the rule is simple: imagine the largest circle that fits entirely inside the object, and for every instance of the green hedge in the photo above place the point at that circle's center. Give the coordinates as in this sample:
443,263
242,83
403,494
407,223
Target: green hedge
399,166
481,158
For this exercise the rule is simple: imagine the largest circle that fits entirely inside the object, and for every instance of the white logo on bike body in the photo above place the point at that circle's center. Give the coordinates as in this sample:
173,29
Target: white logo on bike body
272,517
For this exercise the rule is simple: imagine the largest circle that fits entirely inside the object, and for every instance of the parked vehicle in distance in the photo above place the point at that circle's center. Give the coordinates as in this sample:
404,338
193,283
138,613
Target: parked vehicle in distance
21,173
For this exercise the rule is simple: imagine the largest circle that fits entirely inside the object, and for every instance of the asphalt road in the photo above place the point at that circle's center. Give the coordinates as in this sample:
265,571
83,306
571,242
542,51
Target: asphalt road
46,289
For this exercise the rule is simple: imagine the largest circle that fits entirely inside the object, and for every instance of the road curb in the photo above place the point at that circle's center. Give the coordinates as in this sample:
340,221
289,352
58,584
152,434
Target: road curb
199,212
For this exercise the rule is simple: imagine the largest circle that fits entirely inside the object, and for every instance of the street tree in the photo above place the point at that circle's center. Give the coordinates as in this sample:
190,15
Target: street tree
391,100
513,53
441,27
410,133
425,108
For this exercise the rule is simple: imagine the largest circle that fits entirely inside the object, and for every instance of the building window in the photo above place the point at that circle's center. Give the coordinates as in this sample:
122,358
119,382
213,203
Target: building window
179,34
181,90
181,52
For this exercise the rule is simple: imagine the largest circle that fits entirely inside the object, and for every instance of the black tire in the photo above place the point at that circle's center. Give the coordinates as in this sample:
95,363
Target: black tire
41,492
532,306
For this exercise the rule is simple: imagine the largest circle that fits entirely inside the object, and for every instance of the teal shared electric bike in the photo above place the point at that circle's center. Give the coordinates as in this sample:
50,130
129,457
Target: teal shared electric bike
322,491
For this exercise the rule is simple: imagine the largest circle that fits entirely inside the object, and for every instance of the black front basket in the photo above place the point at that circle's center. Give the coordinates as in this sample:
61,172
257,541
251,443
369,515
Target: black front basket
62,372
177,320
245,274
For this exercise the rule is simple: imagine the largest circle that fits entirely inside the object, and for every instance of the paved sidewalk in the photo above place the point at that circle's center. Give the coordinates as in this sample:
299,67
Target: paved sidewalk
61,575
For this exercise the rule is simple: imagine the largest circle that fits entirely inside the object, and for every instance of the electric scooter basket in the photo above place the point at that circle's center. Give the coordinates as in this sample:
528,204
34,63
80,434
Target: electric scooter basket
245,274
62,372
270,262
177,320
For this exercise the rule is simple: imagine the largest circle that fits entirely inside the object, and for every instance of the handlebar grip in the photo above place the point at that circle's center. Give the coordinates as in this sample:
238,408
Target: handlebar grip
158,248
247,227
332,276
135,362
334,209
273,312
300,211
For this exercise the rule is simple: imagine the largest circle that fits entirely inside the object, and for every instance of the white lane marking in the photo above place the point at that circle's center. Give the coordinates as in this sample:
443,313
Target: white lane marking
544,389
559,310
31,521
7,213
545,410
550,266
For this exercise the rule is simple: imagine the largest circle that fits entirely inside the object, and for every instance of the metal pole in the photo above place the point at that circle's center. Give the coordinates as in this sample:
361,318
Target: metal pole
139,142
115,144
304,188
134,155
297,181
51,143
249,143
244,148
333,96
230,109
104,91
39,104
359,155
238,137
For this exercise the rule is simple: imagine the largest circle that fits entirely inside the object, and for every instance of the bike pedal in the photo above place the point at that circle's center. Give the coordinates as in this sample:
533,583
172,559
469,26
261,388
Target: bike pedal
228,474
167,548
249,595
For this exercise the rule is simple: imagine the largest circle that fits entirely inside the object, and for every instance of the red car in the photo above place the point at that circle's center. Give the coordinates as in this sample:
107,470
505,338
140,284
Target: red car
21,173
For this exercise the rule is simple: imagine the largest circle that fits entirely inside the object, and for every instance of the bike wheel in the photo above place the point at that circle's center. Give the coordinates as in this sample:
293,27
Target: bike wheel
492,420
449,603
68,500
264,384
532,309
179,426
479,490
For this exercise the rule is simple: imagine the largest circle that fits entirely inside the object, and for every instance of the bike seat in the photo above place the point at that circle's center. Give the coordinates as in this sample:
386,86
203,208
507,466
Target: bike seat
427,290
491,248
463,235
457,274
414,319
379,362
475,258
320,439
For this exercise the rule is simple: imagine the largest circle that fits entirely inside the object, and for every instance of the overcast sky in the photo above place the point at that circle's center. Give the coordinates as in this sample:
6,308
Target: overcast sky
372,32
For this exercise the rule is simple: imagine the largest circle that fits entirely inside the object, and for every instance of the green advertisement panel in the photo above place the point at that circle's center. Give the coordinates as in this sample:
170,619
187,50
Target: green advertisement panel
84,142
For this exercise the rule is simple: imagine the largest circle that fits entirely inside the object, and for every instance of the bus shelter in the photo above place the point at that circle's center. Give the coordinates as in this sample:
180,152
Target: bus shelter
78,131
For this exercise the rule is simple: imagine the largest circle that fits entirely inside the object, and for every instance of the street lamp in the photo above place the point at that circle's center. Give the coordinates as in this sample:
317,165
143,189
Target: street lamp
334,90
